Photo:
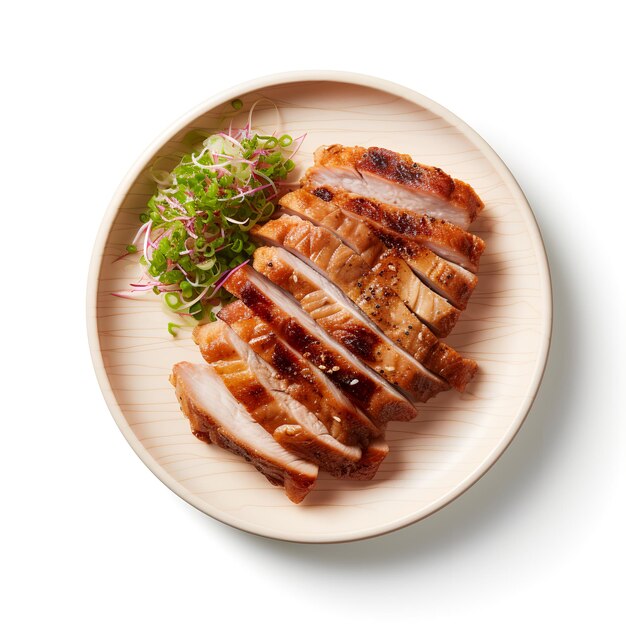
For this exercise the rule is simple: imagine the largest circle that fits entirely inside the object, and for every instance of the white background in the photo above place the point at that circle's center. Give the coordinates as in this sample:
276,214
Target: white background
89,535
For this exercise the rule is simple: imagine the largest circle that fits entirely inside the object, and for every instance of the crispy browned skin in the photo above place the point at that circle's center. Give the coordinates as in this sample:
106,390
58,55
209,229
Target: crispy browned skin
350,229
363,340
370,291
377,400
442,279
203,425
306,383
253,384
400,169
443,238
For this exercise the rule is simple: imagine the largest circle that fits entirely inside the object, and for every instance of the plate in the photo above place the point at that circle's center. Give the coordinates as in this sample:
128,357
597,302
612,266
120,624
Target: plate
456,438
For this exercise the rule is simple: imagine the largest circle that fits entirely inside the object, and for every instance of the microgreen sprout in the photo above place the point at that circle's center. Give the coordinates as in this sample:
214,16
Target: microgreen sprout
195,230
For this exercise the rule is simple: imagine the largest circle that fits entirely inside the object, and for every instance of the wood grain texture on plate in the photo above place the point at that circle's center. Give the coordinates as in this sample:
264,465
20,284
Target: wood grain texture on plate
456,437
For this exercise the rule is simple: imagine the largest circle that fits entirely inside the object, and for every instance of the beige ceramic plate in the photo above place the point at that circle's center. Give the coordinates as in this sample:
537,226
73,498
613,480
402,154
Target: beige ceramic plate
457,438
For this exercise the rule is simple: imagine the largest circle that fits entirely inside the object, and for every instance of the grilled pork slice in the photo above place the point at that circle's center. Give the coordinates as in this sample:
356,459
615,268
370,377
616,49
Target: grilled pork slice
371,393
438,314
446,278
216,417
352,231
309,386
324,251
444,238
401,326
265,396
429,306
306,383
452,281
334,312
396,179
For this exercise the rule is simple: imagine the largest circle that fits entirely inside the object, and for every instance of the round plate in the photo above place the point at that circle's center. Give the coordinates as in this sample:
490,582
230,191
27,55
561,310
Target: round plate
457,437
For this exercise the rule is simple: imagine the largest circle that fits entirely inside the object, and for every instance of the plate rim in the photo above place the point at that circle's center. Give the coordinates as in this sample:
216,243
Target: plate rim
93,276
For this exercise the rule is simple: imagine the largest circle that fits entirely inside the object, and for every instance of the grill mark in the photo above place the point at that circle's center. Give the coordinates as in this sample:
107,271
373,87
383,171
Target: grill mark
407,225
387,164
391,241
253,396
360,391
393,167
253,298
298,337
323,193
363,206
402,170
360,340
378,157
284,362
399,221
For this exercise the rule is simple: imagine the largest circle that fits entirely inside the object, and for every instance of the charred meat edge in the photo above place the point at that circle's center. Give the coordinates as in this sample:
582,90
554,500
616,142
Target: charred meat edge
323,250
416,290
306,382
395,175
334,312
445,239
265,396
363,386
216,417
309,386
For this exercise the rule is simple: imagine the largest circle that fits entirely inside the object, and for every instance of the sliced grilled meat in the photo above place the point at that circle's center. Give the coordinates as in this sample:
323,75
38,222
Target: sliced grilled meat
396,179
428,305
446,278
438,314
377,398
319,210
216,417
265,396
444,238
336,314
309,386
401,326
324,251
306,383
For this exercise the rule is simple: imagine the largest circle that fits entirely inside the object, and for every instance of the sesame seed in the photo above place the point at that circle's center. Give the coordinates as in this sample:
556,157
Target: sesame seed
390,368
295,278
322,367
337,419
354,381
